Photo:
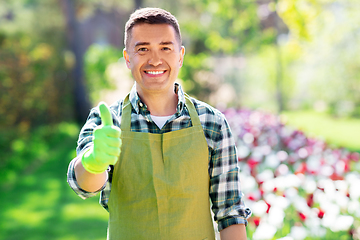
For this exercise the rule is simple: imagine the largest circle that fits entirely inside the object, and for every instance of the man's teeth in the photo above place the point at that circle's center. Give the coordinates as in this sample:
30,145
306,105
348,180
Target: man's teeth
155,72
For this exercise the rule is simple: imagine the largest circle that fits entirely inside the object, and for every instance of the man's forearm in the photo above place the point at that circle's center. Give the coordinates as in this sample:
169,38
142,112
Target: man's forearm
88,181
234,232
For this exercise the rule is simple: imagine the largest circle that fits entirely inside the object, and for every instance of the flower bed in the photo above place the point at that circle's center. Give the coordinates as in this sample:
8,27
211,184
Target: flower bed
297,187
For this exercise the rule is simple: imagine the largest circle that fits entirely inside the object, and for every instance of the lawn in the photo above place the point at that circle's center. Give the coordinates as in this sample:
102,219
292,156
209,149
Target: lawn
36,201
339,132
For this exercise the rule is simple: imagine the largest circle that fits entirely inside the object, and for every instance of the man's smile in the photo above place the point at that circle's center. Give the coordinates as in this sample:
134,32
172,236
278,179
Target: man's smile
155,73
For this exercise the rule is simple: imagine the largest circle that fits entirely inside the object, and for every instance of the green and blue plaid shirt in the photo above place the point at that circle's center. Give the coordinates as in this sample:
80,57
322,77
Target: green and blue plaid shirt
225,193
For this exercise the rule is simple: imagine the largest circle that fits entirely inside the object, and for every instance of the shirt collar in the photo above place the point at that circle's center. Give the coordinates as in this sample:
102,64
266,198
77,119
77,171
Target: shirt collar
137,104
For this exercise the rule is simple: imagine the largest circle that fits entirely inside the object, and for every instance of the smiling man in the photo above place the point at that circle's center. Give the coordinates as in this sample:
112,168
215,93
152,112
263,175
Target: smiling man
154,54
161,159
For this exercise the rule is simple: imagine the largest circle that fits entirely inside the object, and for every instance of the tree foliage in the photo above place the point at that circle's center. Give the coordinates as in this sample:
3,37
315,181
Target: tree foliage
33,72
325,71
97,60
222,28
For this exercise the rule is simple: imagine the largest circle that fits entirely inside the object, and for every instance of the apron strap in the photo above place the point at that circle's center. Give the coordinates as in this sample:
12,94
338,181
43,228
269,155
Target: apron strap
192,111
126,113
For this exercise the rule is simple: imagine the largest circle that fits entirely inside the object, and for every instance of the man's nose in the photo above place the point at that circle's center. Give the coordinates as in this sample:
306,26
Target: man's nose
155,59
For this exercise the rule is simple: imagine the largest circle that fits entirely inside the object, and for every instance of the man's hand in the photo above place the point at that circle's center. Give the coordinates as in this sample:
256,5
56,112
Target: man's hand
107,143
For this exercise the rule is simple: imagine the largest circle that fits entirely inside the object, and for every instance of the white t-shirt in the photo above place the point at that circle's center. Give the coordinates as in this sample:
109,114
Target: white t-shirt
160,120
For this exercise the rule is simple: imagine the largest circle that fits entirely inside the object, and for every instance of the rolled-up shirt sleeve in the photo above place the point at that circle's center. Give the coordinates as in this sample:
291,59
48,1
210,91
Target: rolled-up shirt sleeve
71,179
84,142
225,191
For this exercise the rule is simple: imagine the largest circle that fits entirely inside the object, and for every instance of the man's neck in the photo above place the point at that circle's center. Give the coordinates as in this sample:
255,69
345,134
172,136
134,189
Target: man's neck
163,104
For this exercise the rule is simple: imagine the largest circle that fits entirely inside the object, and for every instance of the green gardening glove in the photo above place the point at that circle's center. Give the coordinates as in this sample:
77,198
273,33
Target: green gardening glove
106,147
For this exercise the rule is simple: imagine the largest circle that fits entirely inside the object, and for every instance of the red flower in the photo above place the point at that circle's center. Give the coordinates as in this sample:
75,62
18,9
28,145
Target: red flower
335,177
254,196
302,216
268,207
355,156
252,163
256,220
301,168
347,165
310,200
321,213
351,232
261,189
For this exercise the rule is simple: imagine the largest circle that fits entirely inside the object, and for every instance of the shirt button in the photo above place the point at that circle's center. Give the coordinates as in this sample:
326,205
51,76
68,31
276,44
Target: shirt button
140,104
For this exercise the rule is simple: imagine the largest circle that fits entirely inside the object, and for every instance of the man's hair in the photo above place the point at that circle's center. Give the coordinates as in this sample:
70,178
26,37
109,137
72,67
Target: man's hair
151,16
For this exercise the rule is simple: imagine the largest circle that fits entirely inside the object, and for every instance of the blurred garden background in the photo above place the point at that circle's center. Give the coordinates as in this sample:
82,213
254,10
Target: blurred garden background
286,73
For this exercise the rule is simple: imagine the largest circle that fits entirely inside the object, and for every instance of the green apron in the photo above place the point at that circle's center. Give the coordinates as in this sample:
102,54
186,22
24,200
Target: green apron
160,185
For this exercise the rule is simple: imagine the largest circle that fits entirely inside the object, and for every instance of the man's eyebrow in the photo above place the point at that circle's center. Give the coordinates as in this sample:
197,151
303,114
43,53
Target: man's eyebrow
147,43
167,43
141,44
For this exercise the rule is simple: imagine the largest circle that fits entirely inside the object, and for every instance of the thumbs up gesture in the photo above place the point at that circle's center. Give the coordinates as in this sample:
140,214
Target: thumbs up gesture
107,143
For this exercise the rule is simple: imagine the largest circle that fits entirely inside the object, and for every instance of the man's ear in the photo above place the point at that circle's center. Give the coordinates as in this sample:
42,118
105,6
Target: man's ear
126,57
182,54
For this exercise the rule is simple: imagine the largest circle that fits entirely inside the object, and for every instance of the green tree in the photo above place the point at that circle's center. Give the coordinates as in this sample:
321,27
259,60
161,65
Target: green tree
34,82
221,29
327,69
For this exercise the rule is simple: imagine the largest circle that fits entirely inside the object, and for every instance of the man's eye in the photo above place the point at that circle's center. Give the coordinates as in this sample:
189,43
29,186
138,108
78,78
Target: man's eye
166,48
142,49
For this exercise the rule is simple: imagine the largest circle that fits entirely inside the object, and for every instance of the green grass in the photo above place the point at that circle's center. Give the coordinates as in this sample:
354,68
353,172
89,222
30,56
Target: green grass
338,132
36,201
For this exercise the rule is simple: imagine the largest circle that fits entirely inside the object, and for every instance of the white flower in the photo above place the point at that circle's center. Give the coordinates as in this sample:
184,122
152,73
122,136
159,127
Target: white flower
341,185
314,225
330,208
354,189
243,151
326,171
265,175
341,200
248,138
269,185
354,207
298,233
272,161
259,208
301,205
342,223
313,163
283,169
248,183
340,167
291,193
331,214
264,231
276,216
303,153
328,186
282,155
309,184
292,180
281,202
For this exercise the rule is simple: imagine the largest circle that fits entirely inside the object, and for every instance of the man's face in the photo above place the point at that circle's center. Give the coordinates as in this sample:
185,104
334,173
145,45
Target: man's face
154,57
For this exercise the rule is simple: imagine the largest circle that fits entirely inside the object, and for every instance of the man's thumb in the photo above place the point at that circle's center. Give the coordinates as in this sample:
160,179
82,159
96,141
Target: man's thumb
105,114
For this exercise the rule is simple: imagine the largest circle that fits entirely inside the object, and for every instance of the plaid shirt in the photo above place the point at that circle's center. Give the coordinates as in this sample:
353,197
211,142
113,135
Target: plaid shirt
225,194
